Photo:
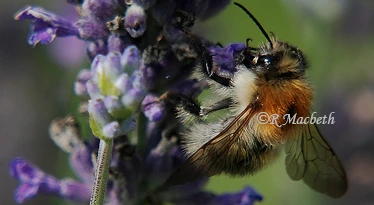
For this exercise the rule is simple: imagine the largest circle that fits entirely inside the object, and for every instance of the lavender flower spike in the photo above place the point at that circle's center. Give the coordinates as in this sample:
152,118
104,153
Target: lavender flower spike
109,116
137,54
46,25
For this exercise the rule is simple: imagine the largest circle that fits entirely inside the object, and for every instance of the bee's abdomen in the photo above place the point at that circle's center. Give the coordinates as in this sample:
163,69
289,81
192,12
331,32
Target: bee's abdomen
242,160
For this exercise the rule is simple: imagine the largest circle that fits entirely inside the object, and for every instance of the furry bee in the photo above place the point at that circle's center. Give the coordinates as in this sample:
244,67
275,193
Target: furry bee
270,79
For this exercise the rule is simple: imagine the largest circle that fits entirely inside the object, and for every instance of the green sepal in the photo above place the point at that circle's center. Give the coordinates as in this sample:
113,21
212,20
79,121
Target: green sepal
106,86
122,114
96,128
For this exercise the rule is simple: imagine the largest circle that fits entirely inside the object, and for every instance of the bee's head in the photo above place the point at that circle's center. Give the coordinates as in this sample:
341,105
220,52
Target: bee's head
275,59
278,60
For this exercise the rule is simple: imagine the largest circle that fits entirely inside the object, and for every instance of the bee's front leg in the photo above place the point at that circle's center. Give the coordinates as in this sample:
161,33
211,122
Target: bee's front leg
222,104
184,22
189,110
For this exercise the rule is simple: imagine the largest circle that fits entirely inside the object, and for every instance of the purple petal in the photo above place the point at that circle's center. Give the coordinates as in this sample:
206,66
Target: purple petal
225,62
93,91
98,47
33,181
41,34
46,25
152,108
111,66
246,197
97,109
131,59
25,192
123,83
236,47
111,129
25,172
118,43
76,191
133,97
81,163
103,10
112,103
135,21
84,75
224,58
80,87
137,91
96,62
30,178
138,80
90,29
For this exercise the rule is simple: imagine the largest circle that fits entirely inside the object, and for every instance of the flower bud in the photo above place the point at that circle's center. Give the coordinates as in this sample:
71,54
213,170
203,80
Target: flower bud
135,21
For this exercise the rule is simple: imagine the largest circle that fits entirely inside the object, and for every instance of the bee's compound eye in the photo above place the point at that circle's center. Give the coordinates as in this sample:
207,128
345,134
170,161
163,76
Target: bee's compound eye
265,60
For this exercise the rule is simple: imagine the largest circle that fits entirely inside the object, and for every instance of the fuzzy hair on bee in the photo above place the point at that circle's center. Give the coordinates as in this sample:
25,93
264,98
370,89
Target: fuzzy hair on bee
270,79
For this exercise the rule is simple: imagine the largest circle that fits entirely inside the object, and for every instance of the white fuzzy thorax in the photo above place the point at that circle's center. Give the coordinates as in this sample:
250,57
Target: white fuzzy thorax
244,88
242,91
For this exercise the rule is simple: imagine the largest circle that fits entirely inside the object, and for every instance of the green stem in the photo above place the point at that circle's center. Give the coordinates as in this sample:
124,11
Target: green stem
141,134
102,172
141,147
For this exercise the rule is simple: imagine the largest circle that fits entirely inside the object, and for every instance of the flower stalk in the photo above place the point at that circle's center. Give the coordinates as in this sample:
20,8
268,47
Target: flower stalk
141,134
102,172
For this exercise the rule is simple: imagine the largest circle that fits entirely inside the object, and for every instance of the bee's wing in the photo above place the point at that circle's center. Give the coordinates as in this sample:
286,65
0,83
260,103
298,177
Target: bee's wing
310,158
198,164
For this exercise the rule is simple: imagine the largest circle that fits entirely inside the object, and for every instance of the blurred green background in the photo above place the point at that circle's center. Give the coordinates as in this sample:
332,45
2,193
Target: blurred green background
336,35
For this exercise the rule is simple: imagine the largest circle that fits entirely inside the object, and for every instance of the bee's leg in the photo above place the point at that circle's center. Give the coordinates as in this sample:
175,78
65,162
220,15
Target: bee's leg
219,44
222,104
184,22
206,60
189,110
181,101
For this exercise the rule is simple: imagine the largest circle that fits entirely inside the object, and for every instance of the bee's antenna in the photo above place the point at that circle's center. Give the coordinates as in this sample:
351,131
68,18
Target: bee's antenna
256,22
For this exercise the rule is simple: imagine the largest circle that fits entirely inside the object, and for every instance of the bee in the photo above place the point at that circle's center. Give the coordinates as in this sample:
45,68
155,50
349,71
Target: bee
269,79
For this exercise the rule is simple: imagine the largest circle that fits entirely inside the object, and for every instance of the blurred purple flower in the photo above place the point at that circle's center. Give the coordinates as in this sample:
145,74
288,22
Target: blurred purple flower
46,25
246,197
34,181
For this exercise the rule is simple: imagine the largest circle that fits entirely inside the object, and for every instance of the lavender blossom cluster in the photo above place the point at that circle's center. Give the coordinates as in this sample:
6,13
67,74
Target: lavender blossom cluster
137,55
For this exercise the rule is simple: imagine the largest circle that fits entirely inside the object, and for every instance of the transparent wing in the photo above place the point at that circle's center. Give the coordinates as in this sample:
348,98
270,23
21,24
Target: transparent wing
200,164
310,158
